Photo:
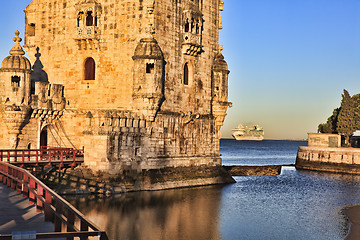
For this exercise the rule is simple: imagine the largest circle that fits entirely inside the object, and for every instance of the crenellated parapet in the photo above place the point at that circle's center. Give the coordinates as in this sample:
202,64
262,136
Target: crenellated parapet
48,96
107,122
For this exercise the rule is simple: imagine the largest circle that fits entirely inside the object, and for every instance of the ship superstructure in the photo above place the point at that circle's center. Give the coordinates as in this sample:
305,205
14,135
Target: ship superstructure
253,133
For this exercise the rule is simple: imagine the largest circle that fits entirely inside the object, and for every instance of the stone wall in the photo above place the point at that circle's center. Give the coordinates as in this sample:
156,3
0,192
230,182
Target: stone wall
341,160
324,140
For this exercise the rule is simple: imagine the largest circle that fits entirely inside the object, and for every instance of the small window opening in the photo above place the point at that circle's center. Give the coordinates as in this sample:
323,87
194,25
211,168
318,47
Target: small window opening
49,90
186,74
137,151
89,69
150,68
15,81
89,19
187,25
32,87
197,27
31,29
80,19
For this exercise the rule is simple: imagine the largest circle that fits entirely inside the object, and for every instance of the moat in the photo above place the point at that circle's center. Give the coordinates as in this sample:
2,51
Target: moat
293,205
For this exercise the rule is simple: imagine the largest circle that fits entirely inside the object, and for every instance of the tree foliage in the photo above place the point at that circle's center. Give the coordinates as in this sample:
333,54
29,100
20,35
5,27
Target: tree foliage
345,119
331,125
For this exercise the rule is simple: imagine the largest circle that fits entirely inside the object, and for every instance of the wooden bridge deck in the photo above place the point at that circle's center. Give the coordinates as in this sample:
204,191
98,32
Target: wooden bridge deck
17,214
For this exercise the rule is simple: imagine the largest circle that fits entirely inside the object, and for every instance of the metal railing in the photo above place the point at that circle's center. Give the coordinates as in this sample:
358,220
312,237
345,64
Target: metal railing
69,222
44,156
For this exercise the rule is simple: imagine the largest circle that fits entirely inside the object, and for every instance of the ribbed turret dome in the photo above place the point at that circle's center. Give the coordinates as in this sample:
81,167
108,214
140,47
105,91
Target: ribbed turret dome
148,48
16,60
220,63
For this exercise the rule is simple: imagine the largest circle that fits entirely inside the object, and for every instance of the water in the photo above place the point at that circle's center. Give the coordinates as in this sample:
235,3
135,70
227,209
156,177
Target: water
267,152
293,205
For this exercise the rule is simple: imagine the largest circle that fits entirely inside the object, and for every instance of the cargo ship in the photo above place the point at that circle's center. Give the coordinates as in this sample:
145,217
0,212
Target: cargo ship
253,133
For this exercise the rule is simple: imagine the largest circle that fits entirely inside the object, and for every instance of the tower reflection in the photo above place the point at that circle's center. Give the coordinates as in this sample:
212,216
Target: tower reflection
171,214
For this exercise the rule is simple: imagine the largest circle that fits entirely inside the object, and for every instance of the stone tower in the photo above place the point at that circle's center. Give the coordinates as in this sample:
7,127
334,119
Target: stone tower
145,81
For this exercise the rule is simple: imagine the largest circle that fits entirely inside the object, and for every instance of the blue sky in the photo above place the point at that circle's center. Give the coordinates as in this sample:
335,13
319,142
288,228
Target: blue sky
289,62
289,59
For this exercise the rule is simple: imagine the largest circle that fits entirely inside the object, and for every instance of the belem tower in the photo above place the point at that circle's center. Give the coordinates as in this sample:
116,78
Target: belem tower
137,84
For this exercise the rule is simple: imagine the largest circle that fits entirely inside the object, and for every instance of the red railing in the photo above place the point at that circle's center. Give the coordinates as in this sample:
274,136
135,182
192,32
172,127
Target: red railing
69,222
44,155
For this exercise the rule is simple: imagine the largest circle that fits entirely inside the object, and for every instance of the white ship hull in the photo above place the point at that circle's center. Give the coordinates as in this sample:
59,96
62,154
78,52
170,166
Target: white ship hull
248,138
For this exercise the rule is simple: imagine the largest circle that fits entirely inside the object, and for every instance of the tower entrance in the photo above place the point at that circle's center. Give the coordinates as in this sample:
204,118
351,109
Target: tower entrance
44,137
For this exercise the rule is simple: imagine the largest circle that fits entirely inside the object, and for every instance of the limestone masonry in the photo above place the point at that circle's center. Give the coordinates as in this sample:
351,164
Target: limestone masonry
139,84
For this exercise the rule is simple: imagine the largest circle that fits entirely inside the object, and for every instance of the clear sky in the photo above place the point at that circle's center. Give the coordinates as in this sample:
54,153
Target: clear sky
289,59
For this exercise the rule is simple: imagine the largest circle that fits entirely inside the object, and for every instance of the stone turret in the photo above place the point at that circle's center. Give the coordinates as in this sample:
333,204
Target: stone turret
15,90
15,75
148,88
220,90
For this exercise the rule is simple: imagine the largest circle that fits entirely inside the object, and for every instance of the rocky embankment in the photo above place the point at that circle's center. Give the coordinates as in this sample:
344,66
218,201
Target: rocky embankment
253,170
82,180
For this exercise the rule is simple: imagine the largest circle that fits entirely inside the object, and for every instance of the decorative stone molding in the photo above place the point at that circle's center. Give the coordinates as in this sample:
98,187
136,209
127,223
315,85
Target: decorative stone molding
192,28
16,117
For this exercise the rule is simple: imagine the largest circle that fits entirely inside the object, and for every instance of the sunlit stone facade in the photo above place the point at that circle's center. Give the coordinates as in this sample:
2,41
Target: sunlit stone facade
139,84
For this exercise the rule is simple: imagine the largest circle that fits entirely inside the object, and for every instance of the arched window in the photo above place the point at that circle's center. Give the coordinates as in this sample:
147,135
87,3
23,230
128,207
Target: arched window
44,137
89,19
187,25
186,74
80,19
89,69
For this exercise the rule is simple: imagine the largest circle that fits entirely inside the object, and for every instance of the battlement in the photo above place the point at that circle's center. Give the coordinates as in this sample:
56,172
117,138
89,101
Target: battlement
48,96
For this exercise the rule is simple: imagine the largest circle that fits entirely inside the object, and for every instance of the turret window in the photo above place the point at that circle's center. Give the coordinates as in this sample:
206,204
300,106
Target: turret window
15,81
89,69
150,68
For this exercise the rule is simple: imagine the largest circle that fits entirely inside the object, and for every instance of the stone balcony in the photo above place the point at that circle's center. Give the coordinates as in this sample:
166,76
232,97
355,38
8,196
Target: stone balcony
88,32
191,44
87,37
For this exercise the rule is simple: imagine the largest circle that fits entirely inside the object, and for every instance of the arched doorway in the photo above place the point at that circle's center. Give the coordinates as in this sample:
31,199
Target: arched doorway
44,137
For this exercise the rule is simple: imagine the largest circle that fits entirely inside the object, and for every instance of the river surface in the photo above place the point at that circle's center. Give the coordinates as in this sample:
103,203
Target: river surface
294,205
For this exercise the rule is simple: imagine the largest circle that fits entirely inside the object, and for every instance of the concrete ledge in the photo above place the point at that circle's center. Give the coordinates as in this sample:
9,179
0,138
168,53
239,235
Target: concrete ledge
337,160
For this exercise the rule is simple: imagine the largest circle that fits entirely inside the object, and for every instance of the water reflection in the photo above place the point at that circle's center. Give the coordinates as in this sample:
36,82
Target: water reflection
172,214
294,205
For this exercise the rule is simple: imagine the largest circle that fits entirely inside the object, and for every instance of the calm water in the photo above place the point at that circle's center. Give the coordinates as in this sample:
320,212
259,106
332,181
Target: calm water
293,205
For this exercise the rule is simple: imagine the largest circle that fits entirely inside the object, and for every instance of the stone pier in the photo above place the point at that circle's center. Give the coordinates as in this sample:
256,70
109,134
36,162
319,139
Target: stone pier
338,160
